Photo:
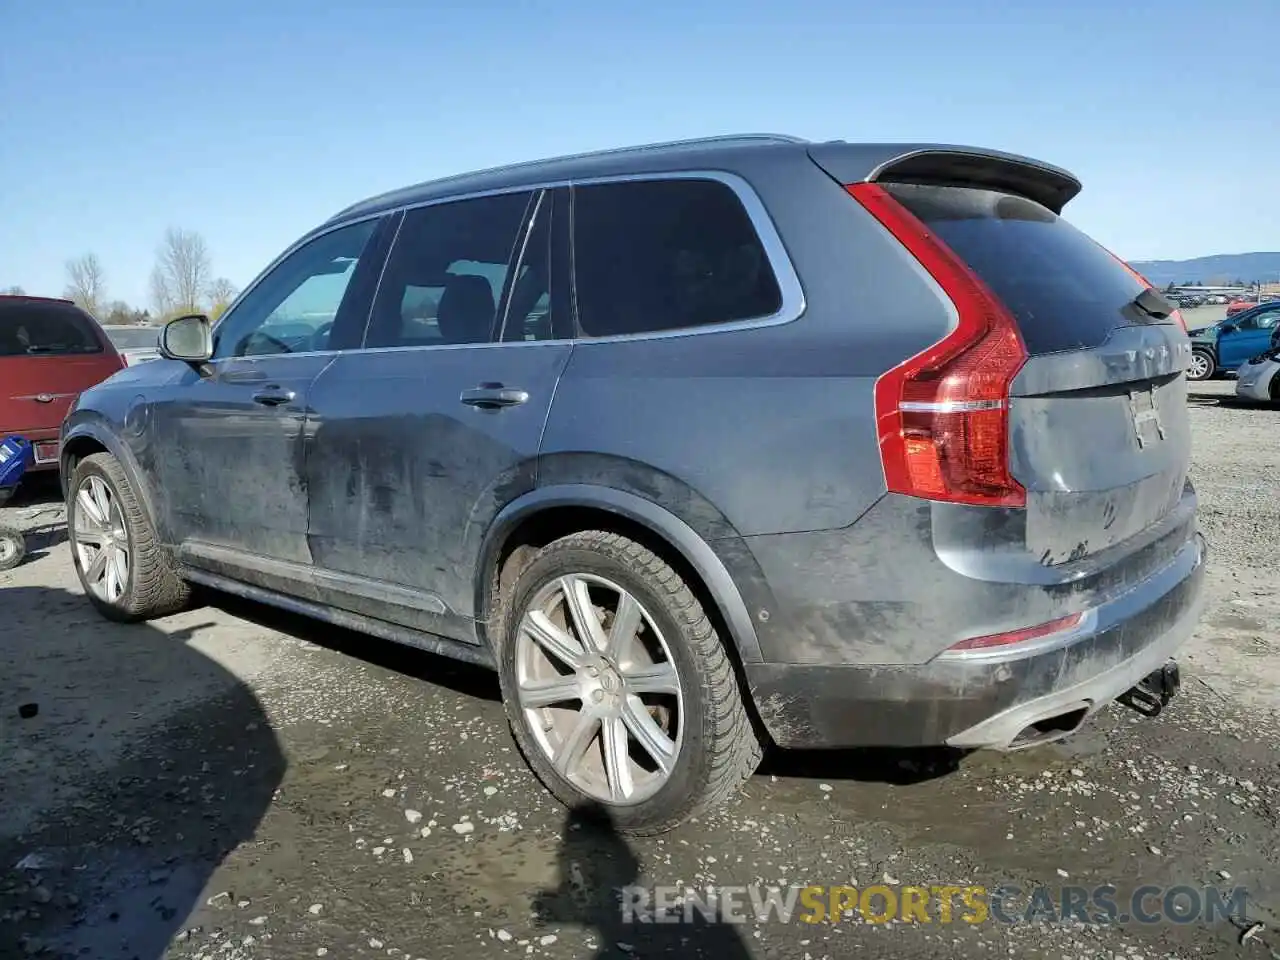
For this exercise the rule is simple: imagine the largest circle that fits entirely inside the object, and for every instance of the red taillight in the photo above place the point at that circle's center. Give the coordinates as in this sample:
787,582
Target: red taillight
1061,625
943,415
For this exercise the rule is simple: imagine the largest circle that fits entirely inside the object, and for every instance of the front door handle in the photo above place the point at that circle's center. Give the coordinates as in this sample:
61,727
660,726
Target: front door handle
493,396
273,396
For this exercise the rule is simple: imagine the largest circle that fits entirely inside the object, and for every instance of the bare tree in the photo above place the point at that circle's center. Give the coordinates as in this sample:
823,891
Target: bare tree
14,291
86,282
181,273
221,292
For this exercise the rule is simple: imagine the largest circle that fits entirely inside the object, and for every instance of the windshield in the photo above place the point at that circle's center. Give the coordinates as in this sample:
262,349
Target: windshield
31,327
134,338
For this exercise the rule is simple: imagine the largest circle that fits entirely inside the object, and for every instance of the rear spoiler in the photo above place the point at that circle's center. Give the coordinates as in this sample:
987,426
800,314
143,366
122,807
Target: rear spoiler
944,165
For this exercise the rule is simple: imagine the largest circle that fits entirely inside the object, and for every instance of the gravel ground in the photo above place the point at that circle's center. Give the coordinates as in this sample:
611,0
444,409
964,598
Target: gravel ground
236,783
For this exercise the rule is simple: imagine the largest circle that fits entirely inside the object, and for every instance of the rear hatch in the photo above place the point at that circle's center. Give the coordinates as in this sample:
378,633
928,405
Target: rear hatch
50,351
1098,430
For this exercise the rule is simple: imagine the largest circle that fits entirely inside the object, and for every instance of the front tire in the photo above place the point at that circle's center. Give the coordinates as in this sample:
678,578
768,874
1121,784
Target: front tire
1201,366
620,693
125,572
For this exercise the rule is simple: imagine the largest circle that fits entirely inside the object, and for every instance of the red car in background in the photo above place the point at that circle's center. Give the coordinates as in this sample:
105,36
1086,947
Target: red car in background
1239,306
50,351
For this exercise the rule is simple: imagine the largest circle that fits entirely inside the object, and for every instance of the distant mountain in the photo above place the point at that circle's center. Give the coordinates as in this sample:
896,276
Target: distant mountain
1221,269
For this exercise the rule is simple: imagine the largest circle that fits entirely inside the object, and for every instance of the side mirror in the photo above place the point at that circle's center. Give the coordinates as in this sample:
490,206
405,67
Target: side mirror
189,339
1228,328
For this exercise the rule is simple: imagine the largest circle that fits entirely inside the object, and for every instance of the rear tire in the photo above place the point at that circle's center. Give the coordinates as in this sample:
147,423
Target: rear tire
126,573
1201,366
648,765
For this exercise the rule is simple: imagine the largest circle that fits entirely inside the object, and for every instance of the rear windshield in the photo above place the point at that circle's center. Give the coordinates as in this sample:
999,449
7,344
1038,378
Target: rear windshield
44,327
1065,290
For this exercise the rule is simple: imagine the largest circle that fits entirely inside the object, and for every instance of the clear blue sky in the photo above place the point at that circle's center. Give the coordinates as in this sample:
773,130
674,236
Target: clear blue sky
252,120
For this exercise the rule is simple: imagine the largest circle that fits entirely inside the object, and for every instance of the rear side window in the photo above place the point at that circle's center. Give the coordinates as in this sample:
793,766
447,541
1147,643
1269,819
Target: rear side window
1065,291
44,327
665,255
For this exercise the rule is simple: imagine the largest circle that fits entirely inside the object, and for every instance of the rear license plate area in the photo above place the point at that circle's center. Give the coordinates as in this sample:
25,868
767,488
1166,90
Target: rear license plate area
47,452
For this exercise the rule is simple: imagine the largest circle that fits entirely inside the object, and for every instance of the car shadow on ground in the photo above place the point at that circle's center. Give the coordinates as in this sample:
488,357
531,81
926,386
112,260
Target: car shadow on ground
892,766
133,766
598,873
464,678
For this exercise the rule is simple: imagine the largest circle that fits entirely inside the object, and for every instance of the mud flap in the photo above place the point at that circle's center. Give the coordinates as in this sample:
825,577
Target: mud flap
1154,691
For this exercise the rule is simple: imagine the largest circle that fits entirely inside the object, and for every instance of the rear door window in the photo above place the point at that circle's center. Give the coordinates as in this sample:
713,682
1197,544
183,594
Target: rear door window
1065,291
45,327
665,255
447,273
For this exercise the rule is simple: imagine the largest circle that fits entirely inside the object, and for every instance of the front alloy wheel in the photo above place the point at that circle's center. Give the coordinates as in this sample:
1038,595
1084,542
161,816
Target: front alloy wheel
101,540
1200,366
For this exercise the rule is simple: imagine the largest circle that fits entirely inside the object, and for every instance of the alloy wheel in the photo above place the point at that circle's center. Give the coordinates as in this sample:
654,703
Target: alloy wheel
1198,368
101,540
599,688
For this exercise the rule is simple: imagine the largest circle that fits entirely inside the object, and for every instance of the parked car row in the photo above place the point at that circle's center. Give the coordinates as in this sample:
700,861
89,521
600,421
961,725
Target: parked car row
1222,347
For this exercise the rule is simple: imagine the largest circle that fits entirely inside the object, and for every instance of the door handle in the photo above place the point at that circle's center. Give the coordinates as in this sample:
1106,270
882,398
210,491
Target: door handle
273,396
493,396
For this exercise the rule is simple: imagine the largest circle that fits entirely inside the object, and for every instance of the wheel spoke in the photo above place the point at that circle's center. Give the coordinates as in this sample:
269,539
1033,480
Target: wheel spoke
648,734
89,507
544,693
617,761
552,639
585,621
98,567
622,631
575,744
657,678
120,567
102,497
114,585
90,537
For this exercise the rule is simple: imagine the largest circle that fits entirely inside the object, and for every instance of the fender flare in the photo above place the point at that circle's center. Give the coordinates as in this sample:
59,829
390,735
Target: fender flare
678,534
101,433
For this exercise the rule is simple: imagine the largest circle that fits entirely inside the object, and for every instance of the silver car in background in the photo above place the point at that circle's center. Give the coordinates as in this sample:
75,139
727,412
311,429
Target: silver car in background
135,344
1258,379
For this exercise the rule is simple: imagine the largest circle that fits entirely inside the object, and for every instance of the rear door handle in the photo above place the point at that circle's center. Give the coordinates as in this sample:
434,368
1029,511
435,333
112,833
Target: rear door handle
273,396
493,396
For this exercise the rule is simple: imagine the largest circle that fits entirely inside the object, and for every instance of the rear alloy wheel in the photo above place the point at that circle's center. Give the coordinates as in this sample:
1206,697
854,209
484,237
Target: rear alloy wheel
1201,365
13,547
123,569
619,692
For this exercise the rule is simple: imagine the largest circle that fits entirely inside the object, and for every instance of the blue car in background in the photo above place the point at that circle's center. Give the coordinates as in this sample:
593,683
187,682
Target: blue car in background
1225,345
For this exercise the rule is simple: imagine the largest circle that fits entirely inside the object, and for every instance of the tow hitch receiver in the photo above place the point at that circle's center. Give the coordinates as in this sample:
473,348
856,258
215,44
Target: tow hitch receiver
1154,691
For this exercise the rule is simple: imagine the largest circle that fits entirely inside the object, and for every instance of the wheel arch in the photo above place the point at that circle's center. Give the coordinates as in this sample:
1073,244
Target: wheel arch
553,511
83,438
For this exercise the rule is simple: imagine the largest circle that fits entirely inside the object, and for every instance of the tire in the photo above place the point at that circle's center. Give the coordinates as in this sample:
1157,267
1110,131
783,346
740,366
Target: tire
13,547
150,586
715,746
1202,365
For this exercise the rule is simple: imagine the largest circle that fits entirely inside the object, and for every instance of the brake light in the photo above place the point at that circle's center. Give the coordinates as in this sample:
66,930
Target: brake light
1061,625
943,415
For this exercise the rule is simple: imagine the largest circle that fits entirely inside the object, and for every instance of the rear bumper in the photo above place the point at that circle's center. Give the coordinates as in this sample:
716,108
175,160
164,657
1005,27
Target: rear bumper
990,701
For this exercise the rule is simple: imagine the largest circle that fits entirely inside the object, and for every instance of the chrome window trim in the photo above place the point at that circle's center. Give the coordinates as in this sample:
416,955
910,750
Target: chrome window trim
792,293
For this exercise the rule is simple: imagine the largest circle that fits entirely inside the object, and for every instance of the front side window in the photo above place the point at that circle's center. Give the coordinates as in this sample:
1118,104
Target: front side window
294,308
666,255
447,273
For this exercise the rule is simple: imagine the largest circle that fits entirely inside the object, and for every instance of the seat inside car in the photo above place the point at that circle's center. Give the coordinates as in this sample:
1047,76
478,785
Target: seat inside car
465,313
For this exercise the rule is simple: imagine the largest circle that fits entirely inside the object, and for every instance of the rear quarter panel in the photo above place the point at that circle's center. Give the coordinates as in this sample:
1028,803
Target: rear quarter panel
772,426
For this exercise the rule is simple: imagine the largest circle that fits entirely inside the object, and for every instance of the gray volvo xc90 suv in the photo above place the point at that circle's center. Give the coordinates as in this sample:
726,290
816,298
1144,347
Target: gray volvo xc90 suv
699,444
